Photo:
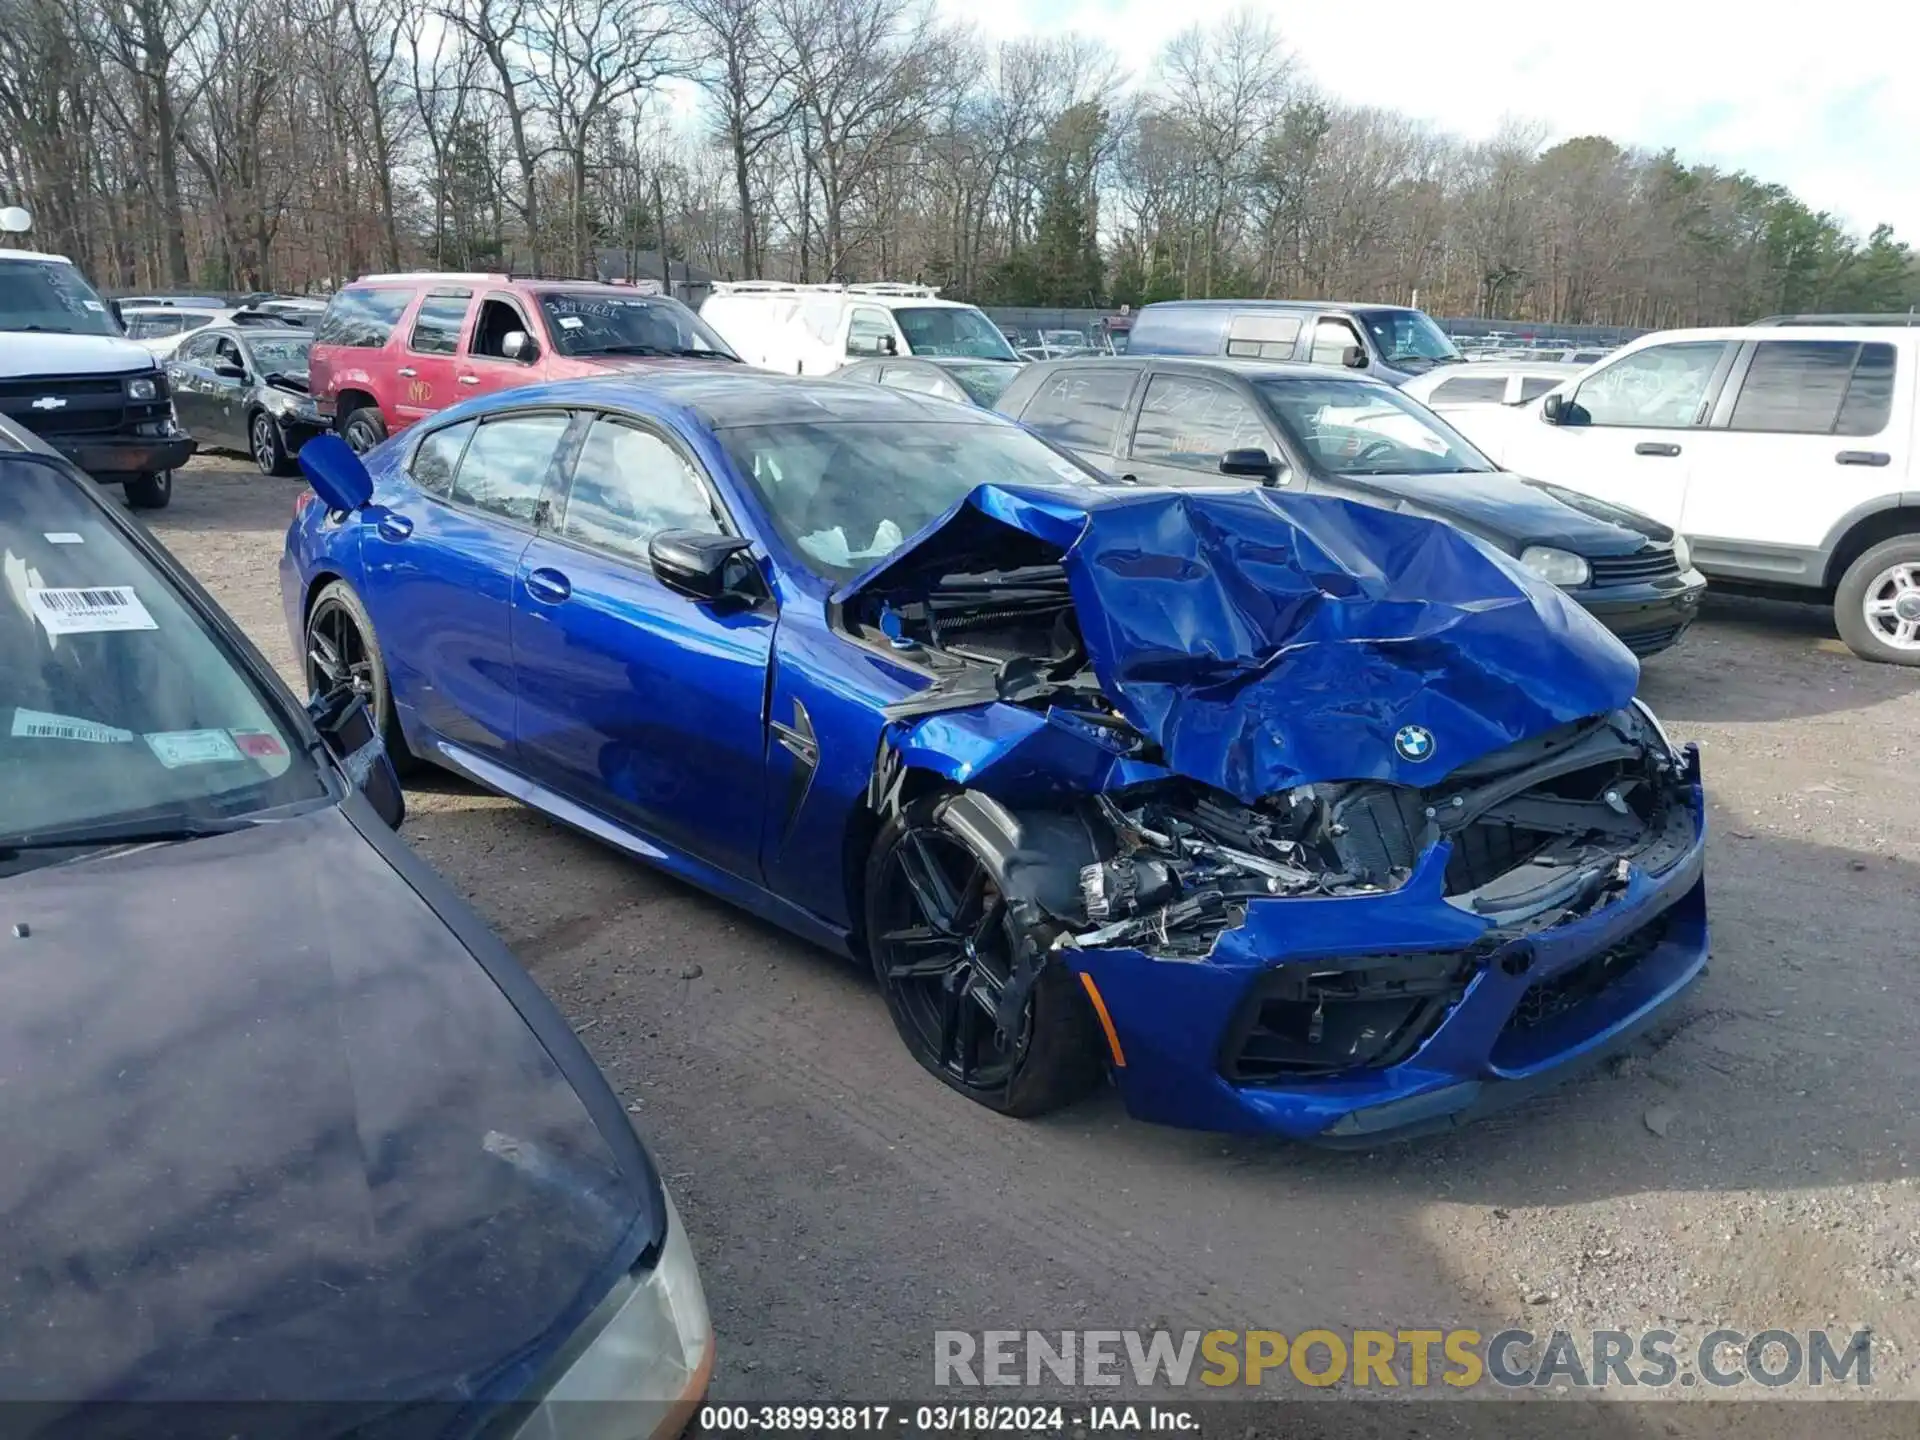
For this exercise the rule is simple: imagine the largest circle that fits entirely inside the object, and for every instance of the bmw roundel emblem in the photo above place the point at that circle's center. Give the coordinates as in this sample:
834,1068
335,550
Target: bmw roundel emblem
1414,742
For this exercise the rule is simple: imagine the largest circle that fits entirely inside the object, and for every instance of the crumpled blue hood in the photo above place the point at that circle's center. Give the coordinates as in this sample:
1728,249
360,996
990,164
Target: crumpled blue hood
1267,640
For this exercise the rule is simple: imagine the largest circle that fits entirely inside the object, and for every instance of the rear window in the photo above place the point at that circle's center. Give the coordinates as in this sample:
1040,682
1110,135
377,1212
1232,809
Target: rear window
1533,387
1474,390
1816,387
362,319
1080,409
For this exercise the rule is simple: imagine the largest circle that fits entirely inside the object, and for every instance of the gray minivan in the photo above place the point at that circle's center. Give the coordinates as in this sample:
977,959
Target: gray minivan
1390,342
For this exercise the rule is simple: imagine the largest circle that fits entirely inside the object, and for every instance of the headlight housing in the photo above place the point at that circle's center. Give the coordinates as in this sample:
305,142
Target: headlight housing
1555,566
652,1358
1682,552
143,387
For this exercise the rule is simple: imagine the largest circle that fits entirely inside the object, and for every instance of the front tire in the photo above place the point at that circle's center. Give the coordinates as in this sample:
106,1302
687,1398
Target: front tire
942,938
363,429
341,647
269,445
1876,606
150,492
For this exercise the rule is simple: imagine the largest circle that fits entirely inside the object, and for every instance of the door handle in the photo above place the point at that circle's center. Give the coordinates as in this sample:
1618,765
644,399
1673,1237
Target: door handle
395,527
549,587
1654,447
408,371
1863,457
469,379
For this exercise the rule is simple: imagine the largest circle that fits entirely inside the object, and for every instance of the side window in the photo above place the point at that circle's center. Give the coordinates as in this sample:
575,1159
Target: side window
363,319
498,319
628,486
1191,422
439,456
1869,400
1663,387
194,322
505,467
1532,387
438,322
227,352
1799,386
868,331
1080,409
1331,339
194,350
1263,337
1474,390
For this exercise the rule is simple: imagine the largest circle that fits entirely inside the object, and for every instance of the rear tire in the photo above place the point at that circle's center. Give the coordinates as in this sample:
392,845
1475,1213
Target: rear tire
1876,606
363,429
944,1013
150,492
340,644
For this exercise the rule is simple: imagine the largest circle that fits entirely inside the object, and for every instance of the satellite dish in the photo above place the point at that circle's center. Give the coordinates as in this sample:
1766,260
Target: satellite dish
15,220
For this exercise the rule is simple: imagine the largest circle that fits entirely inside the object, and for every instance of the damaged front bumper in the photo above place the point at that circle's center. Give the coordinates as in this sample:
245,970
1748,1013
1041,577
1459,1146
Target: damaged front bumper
1441,1012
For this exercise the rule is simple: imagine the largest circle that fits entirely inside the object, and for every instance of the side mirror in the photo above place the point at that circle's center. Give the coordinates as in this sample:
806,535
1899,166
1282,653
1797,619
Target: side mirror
1251,465
227,370
1553,409
1354,357
703,565
869,345
346,725
338,476
889,346
113,309
518,345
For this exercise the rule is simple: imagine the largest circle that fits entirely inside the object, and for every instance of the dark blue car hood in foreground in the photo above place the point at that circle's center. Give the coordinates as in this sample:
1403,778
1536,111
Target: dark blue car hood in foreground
1265,641
270,1131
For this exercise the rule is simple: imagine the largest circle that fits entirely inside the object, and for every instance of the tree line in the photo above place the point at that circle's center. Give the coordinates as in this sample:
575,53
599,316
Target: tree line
235,145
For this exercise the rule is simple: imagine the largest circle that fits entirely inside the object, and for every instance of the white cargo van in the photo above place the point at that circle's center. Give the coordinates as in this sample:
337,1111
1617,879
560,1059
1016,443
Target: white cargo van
816,329
1784,452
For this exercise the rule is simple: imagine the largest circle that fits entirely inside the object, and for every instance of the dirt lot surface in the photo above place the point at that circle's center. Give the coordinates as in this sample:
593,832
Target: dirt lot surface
1747,1165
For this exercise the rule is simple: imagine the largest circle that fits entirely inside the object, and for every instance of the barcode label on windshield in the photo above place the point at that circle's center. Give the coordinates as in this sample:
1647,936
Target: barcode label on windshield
90,610
40,725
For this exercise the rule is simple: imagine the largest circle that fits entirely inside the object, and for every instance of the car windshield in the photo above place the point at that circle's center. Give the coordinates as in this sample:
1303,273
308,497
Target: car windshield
1408,338
119,703
845,494
50,295
595,323
281,357
1350,427
951,330
983,382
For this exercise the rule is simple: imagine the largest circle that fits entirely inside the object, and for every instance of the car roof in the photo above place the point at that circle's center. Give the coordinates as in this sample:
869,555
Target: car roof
1202,364
730,397
1271,305
255,332
495,278
33,255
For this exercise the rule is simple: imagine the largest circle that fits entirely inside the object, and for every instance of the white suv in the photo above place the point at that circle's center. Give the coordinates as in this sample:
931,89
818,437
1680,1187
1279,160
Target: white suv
817,329
1783,451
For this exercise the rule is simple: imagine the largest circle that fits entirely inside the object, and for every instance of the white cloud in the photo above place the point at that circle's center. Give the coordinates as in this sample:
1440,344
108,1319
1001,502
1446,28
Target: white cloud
1820,99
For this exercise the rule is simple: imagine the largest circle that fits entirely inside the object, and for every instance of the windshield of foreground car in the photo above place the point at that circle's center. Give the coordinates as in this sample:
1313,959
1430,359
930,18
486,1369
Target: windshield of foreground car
846,494
49,295
1353,427
118,704
594,323
1408,338
952,330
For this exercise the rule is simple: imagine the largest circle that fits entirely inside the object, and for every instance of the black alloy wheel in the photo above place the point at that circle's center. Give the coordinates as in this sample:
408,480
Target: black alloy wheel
150,492
363,429
269,447
341,648
943,941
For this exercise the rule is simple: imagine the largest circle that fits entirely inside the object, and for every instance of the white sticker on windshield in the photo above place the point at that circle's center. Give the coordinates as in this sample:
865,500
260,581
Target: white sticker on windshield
64,537
88,610
174,748
94,305
571,322
40,725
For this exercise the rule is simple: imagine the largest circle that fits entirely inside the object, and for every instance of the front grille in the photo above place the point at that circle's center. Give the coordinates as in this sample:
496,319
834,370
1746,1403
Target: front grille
90,405
1651,642
1547,1000
1653,562
1322,1017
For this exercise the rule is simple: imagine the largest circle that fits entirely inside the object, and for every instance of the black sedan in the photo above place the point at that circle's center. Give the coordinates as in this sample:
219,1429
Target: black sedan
964,380
244,387
1327,431
282,1119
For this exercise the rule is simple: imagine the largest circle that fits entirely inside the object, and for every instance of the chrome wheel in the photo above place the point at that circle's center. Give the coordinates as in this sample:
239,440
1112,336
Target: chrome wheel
1891,606
337,653
266,445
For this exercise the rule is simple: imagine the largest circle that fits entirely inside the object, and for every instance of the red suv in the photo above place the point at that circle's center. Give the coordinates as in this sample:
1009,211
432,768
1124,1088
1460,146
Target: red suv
392,349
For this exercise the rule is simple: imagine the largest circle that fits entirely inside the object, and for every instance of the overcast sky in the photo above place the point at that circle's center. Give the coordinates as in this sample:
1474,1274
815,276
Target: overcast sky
1822,98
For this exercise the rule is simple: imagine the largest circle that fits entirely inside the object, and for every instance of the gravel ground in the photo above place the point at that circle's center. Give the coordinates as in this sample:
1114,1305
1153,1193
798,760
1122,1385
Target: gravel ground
1747,1165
